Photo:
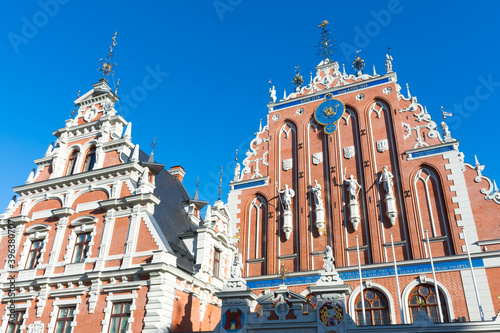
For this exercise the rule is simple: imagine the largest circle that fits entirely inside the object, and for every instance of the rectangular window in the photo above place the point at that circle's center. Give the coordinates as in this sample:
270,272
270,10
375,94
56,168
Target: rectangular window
64,320
119,317
34,254
216,262
15,322
82,245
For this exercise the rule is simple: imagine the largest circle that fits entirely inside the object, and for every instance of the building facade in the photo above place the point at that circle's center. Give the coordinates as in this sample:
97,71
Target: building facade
102,238
354,166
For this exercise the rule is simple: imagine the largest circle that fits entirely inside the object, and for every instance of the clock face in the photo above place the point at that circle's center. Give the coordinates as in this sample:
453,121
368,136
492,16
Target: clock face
328,113
90,114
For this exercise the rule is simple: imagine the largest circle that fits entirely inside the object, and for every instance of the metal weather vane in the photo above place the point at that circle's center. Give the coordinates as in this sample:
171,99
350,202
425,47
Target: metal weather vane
73,112
153,145
325,46
106,65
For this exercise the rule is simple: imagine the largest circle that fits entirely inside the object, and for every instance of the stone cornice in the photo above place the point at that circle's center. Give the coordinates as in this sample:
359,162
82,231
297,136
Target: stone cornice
83,177
132,200
63,212
97,124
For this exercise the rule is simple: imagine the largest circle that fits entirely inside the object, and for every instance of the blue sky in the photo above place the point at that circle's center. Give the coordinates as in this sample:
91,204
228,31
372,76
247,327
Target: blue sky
213,61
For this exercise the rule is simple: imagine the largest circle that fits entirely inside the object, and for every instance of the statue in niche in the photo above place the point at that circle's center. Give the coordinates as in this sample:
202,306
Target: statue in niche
237,266
286,197
329,260
316,189
353,188
386,179
388,63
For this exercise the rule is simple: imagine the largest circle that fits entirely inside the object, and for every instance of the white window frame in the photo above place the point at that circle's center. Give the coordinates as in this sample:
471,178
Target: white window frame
83,225
19,307
112,299
58,303
36,232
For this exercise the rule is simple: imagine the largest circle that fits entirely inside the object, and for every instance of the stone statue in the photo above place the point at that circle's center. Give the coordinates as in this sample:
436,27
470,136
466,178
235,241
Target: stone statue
272,91
316,189
388,63
237,266
286,197
386,179
446,132
353,188
329,260
236,172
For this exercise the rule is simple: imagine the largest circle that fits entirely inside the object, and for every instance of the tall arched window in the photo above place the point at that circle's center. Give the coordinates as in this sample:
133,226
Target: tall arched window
423,298
70,166
89,160
376,308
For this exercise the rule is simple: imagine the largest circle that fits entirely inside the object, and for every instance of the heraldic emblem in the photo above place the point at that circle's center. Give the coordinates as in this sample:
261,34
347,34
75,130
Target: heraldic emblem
329,112
331,314
233,320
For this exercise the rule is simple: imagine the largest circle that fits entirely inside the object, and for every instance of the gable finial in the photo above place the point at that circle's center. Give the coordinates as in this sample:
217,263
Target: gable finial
358,64
325,46
106,65
117,86
220,184
445,114
73,112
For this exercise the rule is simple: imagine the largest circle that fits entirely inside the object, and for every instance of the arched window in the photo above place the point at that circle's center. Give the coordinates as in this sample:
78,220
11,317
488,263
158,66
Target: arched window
376,308
89,160
70,166
423,298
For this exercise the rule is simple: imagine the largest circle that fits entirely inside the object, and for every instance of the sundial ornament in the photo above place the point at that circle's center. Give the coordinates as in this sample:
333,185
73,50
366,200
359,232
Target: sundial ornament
328,113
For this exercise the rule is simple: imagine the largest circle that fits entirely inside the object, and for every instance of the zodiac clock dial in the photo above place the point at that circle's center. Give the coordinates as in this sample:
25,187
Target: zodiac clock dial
328,113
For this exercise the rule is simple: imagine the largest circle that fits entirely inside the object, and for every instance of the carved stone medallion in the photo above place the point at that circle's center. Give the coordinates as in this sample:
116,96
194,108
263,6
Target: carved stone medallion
317,158
349,152
382,145
287,164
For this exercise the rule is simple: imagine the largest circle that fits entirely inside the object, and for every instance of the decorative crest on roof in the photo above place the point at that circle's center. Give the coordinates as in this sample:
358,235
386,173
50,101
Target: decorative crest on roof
325,45
358,64
297,79
106,65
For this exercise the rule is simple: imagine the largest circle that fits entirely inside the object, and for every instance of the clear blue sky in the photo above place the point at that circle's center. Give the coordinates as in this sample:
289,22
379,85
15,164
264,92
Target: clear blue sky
219,56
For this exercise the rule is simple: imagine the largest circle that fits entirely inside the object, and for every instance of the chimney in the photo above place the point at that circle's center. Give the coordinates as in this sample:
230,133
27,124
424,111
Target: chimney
178,172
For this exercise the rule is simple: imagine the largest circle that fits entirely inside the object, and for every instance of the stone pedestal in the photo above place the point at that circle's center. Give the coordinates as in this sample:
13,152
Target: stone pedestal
320,219
391,212
287,223
355,217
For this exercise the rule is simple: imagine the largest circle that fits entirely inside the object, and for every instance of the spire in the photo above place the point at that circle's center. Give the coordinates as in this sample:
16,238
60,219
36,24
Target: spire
106,65
374,71
343,70
475,157
311,80
128,131
196,196
260,125
220,184
408,89
151,158
325,45
31,176
284,94
135,154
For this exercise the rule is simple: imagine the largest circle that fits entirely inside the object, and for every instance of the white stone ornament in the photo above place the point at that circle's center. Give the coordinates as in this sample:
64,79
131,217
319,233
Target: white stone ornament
353,189
299,111
349,152
390,201
317,158
286,200
329,260
387,90
276,117
237,266
319,209
90,114
382,145
360,97
287,164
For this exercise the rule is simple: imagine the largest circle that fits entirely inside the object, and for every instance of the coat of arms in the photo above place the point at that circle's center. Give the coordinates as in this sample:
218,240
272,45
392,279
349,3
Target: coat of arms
317,158
349,152
382,145
331,314
287,164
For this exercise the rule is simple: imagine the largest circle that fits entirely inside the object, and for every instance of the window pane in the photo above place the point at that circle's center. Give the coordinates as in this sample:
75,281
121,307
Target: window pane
124,323
113,327
370,294
60,327
424,291
78,253
126,308
117,308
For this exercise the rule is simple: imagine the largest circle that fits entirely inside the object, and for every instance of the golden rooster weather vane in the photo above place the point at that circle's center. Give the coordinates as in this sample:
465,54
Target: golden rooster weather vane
325,45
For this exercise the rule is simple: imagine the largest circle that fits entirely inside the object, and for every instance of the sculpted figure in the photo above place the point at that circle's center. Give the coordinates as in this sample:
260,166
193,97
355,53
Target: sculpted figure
329,260
353,188
316,189
286,197
386,180
237,172
237,266
272,91
388,63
